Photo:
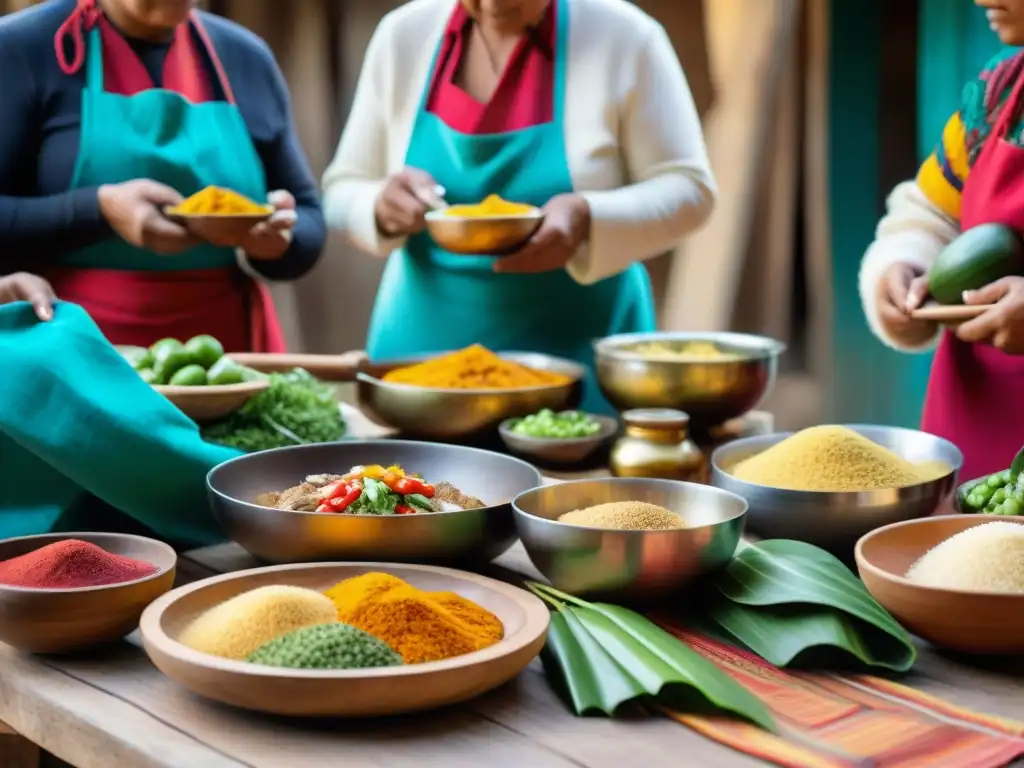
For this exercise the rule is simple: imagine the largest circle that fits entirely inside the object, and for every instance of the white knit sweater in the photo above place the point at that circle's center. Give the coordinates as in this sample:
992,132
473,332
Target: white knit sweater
633,137
913,231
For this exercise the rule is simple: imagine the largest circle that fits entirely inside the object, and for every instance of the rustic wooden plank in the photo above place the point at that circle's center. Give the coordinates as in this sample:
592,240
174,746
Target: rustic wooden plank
15,750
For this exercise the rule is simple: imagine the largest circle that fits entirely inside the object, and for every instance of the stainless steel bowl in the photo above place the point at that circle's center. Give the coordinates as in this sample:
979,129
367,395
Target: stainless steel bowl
711,391
568,450
483,236
835,520
281,536
628,565
446,414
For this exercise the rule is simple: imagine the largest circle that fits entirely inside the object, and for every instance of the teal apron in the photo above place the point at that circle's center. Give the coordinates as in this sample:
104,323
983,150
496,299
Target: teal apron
431,300
82,438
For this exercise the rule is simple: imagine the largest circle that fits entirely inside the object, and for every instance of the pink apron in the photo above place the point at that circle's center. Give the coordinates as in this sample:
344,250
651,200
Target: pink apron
974,389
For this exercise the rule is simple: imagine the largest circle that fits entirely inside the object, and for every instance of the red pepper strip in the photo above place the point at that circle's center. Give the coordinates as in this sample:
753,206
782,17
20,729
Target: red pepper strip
408,485
334,490
341,503
402,509
324,508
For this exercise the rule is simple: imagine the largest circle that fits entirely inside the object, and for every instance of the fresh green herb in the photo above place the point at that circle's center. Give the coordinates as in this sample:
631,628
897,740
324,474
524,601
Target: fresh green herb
295,409
564,425
606,657
419,501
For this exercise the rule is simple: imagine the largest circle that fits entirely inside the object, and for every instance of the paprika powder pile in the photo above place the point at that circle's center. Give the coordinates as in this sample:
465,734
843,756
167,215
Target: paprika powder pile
71,564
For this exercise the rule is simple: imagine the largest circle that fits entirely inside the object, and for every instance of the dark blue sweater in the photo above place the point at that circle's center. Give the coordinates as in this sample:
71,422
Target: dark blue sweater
40,116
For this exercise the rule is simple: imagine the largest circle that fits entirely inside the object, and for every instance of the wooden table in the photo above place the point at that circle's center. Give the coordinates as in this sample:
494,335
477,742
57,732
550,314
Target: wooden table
115,710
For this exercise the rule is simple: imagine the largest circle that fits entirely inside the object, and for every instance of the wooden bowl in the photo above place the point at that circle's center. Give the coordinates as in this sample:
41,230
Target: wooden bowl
209,403
65,620
967,621
482,235
344,693
223,230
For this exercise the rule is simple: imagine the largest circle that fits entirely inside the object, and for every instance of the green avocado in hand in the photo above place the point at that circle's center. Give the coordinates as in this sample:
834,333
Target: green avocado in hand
980,256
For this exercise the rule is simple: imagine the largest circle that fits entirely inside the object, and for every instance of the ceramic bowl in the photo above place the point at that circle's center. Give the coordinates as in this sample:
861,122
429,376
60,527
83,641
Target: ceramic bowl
212,402
344,693
482,236
966,621
558,450
628,565
66,620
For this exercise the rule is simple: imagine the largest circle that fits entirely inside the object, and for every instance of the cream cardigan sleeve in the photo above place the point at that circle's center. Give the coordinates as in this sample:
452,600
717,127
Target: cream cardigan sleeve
913,231
672,191
359,170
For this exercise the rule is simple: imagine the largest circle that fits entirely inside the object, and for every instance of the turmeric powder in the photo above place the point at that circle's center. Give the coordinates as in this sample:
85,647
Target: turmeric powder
217,201
421,626
474,367
492,206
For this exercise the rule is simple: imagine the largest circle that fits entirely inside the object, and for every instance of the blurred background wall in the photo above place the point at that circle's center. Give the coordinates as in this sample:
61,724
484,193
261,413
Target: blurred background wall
813,110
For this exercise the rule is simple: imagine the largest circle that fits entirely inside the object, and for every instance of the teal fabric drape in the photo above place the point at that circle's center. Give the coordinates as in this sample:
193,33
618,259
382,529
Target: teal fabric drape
872,383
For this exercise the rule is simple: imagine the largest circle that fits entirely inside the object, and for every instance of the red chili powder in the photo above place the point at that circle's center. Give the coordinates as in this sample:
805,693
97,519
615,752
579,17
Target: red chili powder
69,564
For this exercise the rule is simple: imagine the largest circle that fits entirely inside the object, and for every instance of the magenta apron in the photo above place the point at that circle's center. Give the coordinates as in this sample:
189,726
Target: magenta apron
974,388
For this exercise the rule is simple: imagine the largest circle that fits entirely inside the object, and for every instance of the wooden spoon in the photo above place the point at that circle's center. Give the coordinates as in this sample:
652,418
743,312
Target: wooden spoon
343,367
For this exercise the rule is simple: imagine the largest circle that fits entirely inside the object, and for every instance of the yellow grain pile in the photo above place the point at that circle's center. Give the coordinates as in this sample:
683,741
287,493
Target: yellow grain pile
624,516
239,626
832,458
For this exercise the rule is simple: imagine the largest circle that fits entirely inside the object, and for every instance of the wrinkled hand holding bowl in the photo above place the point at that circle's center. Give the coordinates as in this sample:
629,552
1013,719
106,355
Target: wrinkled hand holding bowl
224,230
710,390
433,413
209,403
835,520
484,235
959,620
558,450
67,620
628,565
344,693
283,536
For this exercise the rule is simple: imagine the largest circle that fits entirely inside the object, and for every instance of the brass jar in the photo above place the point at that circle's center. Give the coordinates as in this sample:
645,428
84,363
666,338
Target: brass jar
656,444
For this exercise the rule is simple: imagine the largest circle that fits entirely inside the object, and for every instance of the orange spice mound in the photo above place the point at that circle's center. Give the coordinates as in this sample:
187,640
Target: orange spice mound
474,367
217,201
490,206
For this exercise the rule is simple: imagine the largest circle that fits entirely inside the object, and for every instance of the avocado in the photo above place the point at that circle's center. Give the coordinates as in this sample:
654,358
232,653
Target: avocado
981,255
326,646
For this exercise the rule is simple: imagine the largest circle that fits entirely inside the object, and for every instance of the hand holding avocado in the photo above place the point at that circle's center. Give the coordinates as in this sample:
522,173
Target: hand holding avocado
1002,325
901,290
198,362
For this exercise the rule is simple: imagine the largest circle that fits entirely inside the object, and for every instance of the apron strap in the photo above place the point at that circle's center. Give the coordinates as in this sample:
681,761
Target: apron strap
1012,108
86,15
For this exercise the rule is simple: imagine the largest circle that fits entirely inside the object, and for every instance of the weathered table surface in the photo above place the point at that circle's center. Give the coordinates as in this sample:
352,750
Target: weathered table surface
115,710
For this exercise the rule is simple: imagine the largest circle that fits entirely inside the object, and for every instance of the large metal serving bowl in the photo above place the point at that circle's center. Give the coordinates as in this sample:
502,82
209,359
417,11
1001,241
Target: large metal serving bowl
835,520
482,236
711,391
281,536
628,565
446,414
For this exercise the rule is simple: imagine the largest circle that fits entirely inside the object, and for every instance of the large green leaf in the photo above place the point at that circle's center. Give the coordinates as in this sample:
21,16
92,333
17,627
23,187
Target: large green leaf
606,656
782,598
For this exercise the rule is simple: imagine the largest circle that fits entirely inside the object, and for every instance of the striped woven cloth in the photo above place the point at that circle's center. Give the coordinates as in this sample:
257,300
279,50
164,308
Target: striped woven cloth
828,721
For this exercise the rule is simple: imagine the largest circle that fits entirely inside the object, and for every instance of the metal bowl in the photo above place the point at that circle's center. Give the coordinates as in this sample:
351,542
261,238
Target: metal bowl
282,536
558,450
482,236
711,391
446,414
628,565
835,520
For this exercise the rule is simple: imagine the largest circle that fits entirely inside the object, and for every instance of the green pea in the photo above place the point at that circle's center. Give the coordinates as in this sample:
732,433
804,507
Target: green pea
1005,476
999,496
994,481
1011,507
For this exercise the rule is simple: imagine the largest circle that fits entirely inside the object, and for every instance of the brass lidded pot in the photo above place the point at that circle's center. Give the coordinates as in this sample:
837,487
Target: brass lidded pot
656,444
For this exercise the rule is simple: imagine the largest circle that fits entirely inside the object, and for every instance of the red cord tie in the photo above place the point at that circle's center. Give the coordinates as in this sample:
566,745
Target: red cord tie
81,20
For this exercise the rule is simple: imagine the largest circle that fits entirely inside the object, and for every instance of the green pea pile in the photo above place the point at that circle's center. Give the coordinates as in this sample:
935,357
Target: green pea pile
998,494
563,425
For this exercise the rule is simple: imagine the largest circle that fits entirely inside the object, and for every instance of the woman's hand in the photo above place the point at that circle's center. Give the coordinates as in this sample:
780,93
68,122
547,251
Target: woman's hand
901,290
1002,325
269,240
566,225
404,201
134,209
21,286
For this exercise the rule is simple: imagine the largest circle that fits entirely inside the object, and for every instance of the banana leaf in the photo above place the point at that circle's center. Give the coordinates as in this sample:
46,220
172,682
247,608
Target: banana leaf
793,603
606,657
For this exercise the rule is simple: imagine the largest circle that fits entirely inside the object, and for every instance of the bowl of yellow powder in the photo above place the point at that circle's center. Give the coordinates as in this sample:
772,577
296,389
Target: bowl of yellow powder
829,485
344,639
492,227
628,538
954,580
